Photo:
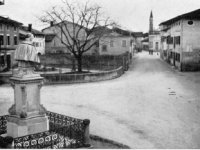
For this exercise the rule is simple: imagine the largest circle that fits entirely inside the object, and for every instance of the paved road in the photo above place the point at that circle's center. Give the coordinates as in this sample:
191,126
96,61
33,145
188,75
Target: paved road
151,106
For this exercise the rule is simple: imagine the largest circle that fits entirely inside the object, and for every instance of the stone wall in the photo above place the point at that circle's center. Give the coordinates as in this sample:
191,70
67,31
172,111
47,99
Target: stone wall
73,78
82,78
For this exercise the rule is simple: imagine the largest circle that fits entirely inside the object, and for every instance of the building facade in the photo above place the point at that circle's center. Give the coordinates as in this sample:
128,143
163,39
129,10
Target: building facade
9,39
111,43
138,38
180,38
115,44
54,37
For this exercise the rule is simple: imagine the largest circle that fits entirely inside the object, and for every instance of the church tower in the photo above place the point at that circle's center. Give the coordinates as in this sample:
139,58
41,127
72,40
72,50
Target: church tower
151,23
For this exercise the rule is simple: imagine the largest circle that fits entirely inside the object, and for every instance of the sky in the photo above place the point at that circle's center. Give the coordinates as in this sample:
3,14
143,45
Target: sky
130,14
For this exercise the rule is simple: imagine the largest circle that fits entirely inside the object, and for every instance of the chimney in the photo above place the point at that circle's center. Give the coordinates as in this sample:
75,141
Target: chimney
29,27
51,23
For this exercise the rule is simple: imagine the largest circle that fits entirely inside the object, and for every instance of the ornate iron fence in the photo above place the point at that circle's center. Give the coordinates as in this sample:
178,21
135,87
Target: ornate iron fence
39,140
71,129
3,124
64,132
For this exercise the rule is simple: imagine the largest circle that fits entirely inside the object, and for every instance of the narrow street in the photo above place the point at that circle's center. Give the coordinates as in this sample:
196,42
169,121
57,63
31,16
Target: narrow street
150,106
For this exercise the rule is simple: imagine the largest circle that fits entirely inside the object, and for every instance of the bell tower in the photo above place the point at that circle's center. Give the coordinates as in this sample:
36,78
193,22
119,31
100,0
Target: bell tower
151,23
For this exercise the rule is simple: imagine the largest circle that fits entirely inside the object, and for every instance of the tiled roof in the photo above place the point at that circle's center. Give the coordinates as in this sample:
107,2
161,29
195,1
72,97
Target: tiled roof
9,21
62,22
137,34
191,15
121,31
33,31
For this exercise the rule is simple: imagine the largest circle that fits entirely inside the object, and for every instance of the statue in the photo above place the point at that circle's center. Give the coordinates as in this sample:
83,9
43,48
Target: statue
26,55
27,115
26,52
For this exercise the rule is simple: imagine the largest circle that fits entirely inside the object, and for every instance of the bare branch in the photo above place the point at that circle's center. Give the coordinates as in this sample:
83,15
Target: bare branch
80,26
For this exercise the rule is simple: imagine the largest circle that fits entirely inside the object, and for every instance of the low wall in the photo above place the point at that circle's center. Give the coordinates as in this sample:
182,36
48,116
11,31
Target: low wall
5,78
82,78
73,78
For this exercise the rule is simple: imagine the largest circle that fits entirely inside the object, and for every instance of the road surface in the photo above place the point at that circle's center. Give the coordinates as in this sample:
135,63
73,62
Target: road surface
150,106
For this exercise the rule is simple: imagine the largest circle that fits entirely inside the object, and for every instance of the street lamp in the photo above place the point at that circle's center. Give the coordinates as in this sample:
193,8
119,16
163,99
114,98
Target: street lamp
1,2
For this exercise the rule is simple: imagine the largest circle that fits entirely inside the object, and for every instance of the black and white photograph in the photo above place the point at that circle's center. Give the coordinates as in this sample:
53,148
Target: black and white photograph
99,74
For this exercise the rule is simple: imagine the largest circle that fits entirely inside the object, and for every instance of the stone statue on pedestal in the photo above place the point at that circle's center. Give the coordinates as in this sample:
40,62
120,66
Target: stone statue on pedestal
27,115
27,57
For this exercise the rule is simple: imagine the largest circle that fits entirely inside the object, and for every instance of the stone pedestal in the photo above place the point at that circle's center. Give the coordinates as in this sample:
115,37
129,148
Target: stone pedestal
26,115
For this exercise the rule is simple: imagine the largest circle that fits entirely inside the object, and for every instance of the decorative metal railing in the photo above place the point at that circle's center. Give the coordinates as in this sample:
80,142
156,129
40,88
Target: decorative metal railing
39,140
71,129
3,124
64,132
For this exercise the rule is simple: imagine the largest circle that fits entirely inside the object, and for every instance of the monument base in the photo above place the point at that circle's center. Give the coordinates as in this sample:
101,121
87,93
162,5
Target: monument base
17,127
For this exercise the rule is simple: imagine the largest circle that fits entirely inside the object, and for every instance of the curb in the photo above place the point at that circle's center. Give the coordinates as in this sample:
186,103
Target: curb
103,140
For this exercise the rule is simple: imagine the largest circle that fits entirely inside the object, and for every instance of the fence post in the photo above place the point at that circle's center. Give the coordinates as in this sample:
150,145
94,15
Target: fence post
123,63
86,123
60,72
115,63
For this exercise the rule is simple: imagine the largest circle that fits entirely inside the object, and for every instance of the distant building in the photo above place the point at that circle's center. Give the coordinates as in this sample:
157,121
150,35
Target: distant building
138,37
39,38
115,42
9,39
54,36
145,42
154,36
180,38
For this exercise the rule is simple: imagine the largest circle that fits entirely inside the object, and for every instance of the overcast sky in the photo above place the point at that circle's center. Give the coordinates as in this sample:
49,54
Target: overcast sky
131,14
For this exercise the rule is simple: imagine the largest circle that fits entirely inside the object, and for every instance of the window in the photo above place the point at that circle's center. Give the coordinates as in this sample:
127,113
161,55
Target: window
124,43
177,40
177,57
1,27
8,39
111,43
157,46
97,43
7,27
190,22
15,28
104,48
36,44
15,40
1,40
169,40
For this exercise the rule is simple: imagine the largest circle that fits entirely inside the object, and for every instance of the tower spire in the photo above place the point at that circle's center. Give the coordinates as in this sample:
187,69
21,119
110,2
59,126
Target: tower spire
151,23
151,15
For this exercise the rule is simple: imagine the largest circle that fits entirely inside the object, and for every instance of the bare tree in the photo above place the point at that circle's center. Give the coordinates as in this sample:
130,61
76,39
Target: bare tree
80,26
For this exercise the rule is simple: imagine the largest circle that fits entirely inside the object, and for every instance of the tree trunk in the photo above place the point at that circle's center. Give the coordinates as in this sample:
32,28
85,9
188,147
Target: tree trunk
73,64
79,60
